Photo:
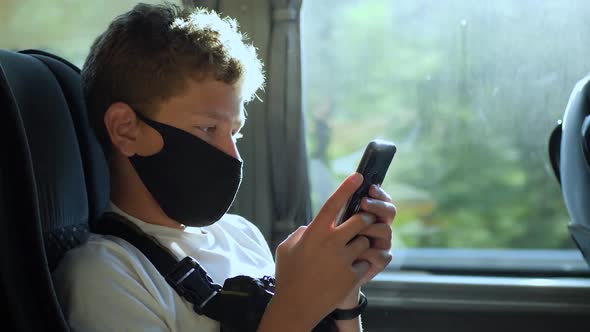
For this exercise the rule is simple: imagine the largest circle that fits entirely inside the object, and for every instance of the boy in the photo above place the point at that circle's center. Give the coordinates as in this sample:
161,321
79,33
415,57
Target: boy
164,90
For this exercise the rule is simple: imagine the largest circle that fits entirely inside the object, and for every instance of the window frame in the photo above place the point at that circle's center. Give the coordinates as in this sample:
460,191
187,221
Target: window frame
538,263
515,281
415,290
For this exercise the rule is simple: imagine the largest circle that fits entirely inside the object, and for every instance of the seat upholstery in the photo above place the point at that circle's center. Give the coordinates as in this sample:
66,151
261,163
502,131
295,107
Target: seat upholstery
53,181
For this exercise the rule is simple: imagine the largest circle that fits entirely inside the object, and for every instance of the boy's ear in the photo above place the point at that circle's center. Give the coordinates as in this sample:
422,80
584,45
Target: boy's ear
123,128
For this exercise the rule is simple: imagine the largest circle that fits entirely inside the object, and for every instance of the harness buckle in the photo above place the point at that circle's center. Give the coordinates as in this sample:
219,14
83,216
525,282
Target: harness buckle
191,281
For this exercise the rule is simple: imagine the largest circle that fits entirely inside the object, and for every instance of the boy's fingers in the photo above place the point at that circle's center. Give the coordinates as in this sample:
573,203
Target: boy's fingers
379,234
385,211
336,202
360,268
357,246
377,192
379,259
353,226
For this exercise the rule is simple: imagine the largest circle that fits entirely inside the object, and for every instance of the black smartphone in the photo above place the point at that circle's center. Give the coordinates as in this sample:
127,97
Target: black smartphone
373,166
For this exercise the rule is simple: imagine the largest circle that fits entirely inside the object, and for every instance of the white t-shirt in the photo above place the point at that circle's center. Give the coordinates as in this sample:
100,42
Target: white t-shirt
108,285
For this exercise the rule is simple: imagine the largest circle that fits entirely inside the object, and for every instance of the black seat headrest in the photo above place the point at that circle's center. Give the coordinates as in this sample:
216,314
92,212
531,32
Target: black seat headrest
54,179
70,171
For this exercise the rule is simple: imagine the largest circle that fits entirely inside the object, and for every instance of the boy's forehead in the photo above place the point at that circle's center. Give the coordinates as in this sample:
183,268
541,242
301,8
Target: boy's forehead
209,98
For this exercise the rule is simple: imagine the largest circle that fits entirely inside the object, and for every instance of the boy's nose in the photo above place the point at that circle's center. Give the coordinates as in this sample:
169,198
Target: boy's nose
230,148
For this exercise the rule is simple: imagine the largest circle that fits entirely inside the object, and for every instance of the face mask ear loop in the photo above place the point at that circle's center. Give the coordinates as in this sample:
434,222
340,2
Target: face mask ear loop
142,117
151,123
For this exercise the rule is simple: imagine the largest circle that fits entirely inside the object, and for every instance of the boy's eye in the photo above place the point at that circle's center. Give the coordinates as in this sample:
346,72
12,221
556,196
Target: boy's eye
207,130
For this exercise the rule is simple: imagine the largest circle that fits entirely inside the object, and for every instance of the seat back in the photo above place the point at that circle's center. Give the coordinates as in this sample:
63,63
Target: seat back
569,153
53,181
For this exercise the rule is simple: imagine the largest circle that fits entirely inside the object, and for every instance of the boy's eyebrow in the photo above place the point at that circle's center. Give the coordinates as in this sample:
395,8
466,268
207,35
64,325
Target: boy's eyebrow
215,115
207,113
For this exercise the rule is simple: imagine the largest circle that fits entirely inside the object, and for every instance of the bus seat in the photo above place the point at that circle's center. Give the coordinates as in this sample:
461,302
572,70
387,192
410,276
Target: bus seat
569,153
53,182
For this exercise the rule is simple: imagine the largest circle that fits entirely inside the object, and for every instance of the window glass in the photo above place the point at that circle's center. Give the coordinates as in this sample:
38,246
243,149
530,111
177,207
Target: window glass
470,92
63,27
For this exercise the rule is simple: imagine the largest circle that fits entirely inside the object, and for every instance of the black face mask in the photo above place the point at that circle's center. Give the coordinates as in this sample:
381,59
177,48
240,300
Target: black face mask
194,183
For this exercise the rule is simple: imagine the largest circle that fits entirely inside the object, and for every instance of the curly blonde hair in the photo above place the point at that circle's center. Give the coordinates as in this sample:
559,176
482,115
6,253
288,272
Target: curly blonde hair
146,55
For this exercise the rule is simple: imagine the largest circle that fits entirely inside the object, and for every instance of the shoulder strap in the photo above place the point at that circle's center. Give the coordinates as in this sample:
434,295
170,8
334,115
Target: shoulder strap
238,305
187,277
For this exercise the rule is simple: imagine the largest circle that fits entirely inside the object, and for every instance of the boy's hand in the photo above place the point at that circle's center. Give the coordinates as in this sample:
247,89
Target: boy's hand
318,265
378,204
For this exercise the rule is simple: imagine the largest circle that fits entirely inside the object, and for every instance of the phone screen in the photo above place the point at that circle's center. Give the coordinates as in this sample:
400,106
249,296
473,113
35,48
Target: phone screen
373,166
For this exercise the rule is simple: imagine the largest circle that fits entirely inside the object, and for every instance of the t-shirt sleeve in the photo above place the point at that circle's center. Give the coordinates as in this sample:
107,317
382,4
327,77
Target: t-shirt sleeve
262,241
98,291
258,237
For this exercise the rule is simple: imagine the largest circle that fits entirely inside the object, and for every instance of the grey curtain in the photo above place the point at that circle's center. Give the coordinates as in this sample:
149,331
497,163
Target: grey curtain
275,192
290,185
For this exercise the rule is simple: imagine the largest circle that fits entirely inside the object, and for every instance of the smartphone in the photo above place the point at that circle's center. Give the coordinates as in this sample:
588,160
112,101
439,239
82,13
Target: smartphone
373,166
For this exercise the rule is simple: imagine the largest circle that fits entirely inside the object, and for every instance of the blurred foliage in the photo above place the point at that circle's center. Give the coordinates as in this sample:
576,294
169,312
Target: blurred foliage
64,27
469,91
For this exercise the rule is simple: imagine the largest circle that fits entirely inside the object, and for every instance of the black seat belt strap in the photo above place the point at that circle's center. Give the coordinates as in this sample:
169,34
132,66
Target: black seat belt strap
239,305
187,277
